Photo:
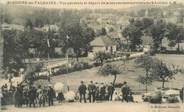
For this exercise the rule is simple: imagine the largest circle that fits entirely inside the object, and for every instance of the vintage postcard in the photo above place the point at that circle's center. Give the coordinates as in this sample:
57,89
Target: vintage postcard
91,56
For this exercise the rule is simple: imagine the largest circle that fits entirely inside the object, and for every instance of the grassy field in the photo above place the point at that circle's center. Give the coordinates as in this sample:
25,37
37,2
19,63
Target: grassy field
172,59
130,73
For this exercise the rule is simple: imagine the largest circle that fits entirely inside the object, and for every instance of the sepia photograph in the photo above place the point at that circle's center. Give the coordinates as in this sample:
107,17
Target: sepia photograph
92,56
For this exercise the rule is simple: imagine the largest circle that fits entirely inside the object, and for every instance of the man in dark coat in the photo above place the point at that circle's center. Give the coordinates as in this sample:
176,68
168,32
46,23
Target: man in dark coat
102,91
40,96
32,96
26,96
97,93
18,96
182,94
110,90
82,91
125,92
92,91
51,95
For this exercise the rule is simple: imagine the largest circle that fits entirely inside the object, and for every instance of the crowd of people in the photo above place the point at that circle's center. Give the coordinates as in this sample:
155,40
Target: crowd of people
27,95
7,92
103,92
32,96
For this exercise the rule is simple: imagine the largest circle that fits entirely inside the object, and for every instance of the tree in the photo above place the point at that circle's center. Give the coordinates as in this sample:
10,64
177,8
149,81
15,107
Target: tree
157,31
33,39
156,70
145,62
12,51
104,32
29,24
74,34
174,34
133,35
109,69
30,73
79,38
146,23
162,72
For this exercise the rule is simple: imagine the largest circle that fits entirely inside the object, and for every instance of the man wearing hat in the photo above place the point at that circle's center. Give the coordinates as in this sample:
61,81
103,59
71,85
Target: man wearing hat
182,94
92,91
82,91
32,96
125,91
110,90
97,92
102,91
51,95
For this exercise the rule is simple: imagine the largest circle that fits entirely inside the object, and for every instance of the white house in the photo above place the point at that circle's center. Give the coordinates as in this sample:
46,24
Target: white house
6,26
46,28
103,44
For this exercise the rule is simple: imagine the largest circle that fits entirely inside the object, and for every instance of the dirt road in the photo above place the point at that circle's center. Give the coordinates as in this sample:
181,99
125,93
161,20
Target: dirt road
115,106
88,107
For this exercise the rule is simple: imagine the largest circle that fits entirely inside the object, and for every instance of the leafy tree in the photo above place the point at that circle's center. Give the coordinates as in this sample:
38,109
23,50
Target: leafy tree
155,70
12,52
157,31
30,73
104,32
145,62
145,80
162,72
175,34
29,24
78,39
109,69
74,34
133,34
146,23
33,39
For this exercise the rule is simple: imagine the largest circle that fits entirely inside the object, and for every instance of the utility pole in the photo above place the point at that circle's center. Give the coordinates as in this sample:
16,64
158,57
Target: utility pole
48,53
67,37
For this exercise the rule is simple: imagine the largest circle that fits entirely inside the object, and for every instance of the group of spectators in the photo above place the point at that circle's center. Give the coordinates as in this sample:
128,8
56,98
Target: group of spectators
27,95
101,92
32,96
6,94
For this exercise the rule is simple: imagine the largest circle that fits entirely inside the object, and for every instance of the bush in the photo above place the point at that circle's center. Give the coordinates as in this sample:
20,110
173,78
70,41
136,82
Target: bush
81,66
102,56
75,67
62,70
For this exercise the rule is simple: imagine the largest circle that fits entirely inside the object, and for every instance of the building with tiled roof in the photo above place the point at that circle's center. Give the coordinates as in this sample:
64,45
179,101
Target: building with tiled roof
103,44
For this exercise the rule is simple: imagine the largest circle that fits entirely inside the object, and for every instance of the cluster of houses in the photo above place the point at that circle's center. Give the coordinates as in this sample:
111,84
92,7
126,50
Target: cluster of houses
101,43
112,25
45,28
